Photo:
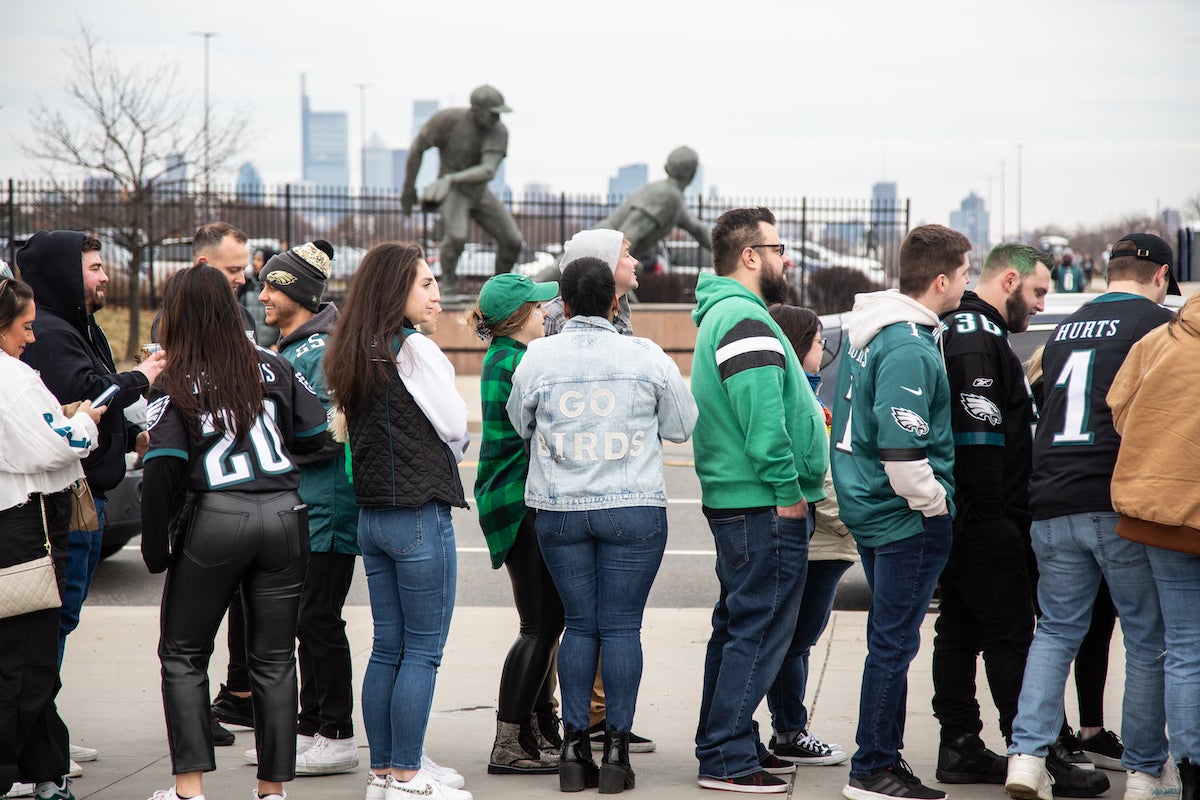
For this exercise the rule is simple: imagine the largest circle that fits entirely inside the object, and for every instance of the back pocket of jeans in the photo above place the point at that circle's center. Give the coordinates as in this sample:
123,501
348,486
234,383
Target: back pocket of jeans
213,536
731,537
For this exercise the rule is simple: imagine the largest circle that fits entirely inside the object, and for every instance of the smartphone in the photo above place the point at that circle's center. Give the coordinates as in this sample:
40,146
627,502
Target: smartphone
105,396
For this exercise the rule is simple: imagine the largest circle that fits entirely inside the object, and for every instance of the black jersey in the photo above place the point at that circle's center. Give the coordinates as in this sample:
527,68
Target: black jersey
1075,447
992,412
258,460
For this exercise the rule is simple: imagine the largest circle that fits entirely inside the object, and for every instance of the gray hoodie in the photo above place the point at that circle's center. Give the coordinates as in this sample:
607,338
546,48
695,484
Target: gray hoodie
605,245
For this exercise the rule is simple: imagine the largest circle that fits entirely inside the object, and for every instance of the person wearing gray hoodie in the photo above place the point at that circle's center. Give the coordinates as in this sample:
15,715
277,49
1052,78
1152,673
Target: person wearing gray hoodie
612,248
892,456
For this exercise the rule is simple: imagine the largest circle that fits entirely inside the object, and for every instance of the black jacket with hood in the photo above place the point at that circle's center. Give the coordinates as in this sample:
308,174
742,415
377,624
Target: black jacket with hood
72,353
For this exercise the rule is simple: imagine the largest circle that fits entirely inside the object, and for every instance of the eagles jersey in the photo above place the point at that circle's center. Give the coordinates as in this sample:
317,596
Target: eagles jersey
1075,447
257,460
892,403
991,406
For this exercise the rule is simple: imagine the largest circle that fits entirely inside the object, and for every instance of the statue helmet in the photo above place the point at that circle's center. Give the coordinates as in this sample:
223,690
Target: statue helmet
488,98
682,163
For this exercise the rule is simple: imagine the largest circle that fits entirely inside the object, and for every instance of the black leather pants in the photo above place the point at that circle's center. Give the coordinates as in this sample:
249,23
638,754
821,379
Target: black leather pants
260,543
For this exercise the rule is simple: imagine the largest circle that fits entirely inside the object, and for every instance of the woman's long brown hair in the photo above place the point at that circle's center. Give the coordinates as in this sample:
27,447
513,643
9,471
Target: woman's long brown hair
212,368
360,348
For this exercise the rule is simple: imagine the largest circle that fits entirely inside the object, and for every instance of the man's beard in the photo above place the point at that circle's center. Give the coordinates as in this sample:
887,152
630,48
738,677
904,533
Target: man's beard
94,300
1016,310
774,287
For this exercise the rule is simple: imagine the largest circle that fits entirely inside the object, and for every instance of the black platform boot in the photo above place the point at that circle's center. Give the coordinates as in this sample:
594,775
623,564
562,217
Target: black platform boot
616,775
576,768
1189,780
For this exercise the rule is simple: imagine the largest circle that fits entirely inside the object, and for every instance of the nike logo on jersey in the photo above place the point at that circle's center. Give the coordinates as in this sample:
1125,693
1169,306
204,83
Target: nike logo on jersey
910,421
917,392
980,408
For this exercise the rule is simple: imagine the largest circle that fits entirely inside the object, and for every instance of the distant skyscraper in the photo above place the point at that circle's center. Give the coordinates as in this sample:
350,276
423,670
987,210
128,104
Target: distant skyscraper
399,163
422,111
325,137
628,178
377,164
695,189
174,179
971,220
249,184
887,219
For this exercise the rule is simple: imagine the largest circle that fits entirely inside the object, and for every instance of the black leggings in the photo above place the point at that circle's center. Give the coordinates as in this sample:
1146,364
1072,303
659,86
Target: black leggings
1091,663
526,684
260,542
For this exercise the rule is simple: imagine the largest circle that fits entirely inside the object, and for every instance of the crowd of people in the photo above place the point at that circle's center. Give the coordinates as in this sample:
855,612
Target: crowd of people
1038,506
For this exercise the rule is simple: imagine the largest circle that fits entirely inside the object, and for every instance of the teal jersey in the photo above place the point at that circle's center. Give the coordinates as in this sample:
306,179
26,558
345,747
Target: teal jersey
892,404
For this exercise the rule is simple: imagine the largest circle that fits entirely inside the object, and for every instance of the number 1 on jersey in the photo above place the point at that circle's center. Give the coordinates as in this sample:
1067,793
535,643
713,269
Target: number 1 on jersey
1076,377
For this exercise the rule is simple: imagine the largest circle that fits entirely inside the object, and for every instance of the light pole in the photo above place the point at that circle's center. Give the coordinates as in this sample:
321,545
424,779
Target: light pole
1003,237
362,124
1019,229
207,195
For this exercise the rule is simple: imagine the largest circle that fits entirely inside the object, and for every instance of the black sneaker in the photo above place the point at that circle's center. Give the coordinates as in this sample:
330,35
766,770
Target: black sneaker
806,750
761,782
775,765
1071,781
233,710
966,759
222,737
894,781
637,744
1104,750
1067,748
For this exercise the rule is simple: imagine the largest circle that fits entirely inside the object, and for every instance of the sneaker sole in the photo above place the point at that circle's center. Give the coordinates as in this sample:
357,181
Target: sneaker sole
634,747
327,769
969,777
1019,791
712,783
854,793
506,769
1103,761
790,769
814,761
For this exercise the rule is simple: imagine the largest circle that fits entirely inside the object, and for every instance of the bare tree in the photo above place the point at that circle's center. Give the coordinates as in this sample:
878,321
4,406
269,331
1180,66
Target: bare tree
1192,206
125,122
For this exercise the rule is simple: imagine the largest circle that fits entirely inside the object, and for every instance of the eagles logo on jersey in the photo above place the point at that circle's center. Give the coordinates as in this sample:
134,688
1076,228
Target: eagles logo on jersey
910,421
980,408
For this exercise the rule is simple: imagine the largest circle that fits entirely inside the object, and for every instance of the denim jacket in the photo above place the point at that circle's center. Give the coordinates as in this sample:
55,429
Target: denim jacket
596,405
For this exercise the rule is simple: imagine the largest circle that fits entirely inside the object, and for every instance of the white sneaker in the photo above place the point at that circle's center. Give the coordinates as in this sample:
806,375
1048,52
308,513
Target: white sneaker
254,793
1028,778
376,786
327,756
83,754
447,776
21,790
169,794
1144,786
302,745
424,786
74,770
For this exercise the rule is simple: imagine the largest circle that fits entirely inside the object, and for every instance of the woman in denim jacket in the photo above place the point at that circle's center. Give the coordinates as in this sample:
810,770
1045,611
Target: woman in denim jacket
596,406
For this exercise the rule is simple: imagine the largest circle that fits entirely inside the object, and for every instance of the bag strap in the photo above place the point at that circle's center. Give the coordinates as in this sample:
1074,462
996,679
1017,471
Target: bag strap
45,527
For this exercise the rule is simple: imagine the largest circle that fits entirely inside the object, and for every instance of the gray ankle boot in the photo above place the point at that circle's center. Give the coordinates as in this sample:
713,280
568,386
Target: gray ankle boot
515,752
547,730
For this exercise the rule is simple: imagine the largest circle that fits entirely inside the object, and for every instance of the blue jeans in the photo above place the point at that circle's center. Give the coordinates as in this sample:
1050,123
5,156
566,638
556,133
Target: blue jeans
603,563
786,697
1178,578
411,570
901,576
762,559
83,554
1073,552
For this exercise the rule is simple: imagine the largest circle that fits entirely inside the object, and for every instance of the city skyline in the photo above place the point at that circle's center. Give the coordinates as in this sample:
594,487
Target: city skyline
830,99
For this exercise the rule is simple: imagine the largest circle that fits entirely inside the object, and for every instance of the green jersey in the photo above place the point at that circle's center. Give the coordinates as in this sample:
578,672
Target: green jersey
892,405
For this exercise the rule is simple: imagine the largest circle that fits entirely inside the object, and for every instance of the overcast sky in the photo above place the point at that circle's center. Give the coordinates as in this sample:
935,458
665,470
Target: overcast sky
781,99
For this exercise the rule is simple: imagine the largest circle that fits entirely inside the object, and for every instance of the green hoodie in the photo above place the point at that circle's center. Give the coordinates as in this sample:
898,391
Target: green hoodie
760,439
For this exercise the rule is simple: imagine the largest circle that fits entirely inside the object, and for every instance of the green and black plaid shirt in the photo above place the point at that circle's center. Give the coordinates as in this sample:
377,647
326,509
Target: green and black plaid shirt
503,455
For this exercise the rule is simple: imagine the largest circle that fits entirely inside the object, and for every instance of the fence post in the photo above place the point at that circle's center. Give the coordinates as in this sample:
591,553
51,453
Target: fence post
562,218
287,214
803,239
12,224
150,242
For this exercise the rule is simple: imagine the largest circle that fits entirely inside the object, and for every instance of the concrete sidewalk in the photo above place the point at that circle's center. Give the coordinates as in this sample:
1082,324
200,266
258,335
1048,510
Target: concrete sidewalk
111,701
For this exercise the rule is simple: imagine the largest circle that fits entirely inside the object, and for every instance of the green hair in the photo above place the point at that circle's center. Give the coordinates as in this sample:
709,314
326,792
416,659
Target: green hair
1021,257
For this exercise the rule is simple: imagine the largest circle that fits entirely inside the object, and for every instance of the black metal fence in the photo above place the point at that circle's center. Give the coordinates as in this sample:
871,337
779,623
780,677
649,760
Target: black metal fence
150,228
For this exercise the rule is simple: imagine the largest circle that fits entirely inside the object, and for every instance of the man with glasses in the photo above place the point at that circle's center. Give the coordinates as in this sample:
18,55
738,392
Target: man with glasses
893,466
761,459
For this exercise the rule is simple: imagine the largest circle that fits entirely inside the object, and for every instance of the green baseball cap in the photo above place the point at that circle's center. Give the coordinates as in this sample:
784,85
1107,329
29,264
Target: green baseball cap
504,294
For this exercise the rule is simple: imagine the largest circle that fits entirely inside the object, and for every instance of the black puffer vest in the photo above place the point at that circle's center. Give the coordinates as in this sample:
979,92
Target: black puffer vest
396,455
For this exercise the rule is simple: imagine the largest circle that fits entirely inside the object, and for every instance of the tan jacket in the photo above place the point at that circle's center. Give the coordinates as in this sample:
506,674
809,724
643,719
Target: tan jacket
831,541
1153,400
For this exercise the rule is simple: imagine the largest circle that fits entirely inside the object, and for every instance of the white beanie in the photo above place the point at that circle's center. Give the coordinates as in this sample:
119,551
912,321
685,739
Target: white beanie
601,243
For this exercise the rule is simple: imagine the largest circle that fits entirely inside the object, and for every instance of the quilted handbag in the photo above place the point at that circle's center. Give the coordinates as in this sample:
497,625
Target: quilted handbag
29,586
